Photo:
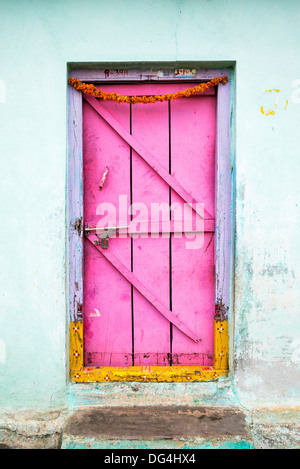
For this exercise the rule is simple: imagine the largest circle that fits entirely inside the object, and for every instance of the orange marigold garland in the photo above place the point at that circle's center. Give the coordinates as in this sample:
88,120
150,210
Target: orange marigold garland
91,89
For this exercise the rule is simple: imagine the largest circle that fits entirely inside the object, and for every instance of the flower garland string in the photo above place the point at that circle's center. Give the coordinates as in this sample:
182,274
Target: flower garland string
91,89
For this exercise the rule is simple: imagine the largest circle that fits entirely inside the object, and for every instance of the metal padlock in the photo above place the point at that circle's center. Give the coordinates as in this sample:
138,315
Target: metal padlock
105,233
105,236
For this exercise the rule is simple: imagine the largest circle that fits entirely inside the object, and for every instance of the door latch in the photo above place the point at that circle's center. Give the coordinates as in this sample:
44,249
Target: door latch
105,233
104,237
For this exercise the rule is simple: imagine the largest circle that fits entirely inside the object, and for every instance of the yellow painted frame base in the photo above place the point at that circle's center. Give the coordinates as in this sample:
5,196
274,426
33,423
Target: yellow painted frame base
81,374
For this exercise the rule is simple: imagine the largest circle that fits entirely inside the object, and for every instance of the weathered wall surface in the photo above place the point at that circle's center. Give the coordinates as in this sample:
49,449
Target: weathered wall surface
38,39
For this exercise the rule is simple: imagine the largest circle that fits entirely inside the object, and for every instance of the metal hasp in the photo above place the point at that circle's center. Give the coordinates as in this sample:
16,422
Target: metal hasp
105,234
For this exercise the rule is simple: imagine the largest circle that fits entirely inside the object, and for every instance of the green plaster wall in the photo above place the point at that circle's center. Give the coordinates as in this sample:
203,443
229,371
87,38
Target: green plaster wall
73,443
37,40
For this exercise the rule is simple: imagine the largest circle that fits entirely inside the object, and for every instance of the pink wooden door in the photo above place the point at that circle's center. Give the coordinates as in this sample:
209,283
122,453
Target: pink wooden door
149,297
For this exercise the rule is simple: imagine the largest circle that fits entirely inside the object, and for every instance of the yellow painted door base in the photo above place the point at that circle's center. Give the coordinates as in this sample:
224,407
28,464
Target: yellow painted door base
81,374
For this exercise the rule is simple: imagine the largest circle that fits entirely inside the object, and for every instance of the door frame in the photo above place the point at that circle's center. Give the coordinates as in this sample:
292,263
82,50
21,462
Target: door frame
223,226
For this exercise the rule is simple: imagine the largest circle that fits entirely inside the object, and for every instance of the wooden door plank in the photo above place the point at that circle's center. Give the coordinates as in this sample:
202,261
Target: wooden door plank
107,295
144,290
147,155
193,130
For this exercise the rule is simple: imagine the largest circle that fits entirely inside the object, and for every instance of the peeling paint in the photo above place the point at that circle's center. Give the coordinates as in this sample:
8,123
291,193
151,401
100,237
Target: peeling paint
221,311
78,226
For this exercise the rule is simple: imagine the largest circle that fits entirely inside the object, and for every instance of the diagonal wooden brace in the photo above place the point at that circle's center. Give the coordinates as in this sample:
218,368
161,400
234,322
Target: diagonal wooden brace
146,155
144,290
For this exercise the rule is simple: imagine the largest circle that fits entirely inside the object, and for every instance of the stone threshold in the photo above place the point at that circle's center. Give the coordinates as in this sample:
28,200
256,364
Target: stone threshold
154,427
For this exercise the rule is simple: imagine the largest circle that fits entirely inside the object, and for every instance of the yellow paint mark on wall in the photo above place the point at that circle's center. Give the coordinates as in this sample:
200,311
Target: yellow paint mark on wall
273,89
269,111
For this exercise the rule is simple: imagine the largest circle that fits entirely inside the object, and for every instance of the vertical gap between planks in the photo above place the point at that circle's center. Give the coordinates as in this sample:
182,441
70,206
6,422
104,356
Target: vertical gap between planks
170,241
131,242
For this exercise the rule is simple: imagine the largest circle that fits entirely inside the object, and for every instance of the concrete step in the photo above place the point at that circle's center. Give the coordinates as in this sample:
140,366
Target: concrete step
156,427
